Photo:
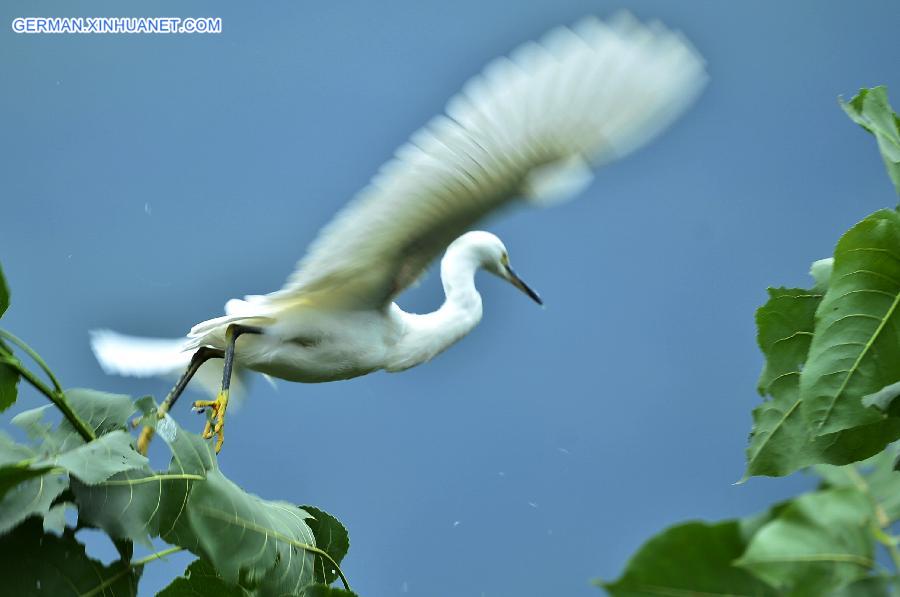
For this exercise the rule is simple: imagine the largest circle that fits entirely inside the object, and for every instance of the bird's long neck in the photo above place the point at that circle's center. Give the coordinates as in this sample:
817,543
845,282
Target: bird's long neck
426,336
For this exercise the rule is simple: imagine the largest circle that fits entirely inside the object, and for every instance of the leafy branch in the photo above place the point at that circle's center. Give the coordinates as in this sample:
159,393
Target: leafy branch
55,394
830,385
245,545
870,109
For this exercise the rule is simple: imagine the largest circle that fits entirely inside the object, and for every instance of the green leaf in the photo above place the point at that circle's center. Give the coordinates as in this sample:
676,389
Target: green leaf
91,462
126,505
12,452
818,542
25,489
12,475
749,525
103,412
33,562
55,519
200,580
9,377
262,545
29,496
693,558
258,543
98,460
32,422
143,503
883,399
784,331
9,383
779,441
782,441
856,347
4,293
15,464
874,477
870,109
332,538
32,477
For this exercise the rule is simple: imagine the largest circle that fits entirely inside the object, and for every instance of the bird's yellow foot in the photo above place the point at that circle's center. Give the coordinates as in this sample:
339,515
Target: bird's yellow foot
144,440
215,422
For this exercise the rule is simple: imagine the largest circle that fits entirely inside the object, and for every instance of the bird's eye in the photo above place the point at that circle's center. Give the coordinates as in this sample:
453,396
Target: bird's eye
504,259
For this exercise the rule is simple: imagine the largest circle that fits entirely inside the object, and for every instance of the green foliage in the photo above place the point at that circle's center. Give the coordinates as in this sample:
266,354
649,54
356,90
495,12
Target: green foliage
87,462
34,562
857,332
33,476
783,440
332,538
832,368
819,543
4,293
200,580
830,387
9,385
876,477
779,442
28,493
9,377
870,109
687,559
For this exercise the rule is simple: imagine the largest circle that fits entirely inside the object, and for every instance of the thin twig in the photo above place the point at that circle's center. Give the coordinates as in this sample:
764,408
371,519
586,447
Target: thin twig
34,356
57,398
882,521
101,588
156,556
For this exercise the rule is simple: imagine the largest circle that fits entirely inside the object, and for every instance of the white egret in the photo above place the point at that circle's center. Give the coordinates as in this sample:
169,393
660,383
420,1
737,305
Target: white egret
529,128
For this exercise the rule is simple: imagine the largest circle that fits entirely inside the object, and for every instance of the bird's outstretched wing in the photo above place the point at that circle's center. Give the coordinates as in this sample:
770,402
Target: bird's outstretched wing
531,126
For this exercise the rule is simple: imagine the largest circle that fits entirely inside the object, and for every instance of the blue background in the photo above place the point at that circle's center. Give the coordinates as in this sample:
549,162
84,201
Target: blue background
147,179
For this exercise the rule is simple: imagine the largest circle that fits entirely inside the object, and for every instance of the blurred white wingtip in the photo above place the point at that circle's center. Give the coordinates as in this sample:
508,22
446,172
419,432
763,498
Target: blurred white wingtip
557,181
580,97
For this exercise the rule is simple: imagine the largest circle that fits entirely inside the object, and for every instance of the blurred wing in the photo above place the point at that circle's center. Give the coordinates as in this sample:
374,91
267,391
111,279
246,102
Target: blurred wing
531,126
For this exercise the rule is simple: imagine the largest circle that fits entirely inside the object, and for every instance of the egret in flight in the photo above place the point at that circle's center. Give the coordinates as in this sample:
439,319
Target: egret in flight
529,129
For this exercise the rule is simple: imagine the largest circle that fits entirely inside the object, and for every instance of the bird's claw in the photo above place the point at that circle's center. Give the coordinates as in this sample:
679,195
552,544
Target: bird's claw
215,423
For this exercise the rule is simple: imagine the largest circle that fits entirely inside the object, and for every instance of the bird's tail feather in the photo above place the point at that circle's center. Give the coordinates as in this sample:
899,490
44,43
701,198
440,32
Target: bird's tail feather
119,354
131,356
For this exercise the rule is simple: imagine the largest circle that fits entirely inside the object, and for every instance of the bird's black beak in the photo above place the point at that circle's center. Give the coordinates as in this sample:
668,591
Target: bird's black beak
516,281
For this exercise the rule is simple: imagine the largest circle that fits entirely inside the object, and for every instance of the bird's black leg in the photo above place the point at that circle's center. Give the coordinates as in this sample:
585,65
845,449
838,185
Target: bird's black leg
220,404
203,354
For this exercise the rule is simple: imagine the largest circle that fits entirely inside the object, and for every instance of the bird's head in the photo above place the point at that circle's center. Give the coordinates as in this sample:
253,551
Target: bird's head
494,258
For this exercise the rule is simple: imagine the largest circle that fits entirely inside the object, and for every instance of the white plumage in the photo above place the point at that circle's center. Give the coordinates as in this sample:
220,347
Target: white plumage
531,127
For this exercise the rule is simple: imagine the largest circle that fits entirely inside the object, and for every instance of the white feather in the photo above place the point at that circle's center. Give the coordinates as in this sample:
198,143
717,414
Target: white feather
531,126
119,354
